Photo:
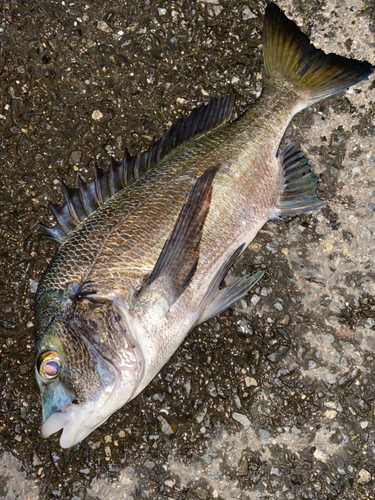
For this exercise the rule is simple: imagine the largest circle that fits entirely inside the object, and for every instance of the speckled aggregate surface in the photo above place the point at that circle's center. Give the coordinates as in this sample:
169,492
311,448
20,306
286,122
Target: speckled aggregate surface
274,398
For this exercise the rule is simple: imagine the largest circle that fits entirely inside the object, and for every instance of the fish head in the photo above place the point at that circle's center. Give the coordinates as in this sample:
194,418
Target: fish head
81,375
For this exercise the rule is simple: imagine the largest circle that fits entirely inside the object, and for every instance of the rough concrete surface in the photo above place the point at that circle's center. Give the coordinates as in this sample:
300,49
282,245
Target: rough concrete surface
272,399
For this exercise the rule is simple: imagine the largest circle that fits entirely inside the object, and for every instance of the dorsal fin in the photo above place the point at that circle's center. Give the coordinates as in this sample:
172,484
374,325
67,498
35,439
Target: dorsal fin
81,201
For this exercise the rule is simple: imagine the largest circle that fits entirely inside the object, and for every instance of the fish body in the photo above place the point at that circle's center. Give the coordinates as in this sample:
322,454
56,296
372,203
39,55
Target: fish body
135,274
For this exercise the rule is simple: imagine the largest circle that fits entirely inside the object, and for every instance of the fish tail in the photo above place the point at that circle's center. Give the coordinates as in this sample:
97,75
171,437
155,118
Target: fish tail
289,56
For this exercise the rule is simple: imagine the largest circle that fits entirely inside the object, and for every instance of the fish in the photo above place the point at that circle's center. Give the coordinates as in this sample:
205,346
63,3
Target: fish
145,247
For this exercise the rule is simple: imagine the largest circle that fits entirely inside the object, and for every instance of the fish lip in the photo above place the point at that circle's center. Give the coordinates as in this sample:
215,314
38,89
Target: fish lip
72,419
52,425
60,420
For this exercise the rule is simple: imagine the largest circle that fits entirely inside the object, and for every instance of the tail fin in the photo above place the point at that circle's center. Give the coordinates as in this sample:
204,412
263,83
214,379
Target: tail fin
288,54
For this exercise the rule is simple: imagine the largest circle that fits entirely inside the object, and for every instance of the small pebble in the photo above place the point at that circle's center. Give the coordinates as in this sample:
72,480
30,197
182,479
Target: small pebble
36,460
211,389
333,405
165,426
170,483
94,446
264,435
97,115
365,234
200,416
244,327
8,322
364,476
180,101
75,157
187,387
23,369
250,382
275,471
55,158
330,414
276,356
149,464
247,14
242,419
103,26
33,285
243,467
255,299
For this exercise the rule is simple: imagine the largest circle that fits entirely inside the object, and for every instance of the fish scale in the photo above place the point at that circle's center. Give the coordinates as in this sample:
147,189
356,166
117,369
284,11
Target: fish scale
125,246
132,278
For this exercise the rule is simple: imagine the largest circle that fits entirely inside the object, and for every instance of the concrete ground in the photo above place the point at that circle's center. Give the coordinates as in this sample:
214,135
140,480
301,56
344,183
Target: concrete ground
272,399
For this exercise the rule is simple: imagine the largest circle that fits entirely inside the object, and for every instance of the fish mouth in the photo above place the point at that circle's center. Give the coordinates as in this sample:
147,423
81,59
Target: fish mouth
77,421
61,420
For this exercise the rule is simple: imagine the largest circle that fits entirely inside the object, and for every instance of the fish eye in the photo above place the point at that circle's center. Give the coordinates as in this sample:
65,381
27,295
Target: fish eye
48,365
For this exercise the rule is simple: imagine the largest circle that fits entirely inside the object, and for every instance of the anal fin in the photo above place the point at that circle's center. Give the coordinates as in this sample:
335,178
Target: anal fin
215,301
300,184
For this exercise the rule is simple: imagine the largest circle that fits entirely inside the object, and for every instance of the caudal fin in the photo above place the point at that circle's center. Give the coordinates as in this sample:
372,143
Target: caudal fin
289,56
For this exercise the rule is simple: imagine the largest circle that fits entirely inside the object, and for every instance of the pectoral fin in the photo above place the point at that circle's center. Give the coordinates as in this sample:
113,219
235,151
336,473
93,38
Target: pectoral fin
300,184
215,301
178,260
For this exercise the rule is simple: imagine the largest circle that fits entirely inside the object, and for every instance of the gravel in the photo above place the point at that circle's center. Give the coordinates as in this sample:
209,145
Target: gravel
82,81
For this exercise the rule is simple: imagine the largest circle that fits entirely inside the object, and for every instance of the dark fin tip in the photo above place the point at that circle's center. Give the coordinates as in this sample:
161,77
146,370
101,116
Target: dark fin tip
289,54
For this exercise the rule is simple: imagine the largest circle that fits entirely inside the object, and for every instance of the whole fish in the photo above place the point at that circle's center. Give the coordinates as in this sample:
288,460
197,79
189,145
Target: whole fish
145,246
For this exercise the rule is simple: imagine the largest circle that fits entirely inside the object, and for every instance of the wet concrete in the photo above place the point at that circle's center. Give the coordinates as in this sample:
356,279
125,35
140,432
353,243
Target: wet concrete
272,399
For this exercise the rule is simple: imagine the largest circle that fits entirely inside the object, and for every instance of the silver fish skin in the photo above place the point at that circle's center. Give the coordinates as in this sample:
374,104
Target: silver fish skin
144,249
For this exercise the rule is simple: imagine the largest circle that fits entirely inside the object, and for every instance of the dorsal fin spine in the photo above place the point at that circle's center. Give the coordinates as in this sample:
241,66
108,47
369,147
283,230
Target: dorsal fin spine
111,179
82,195
60,220
67,196
137,162
125,175
98,189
